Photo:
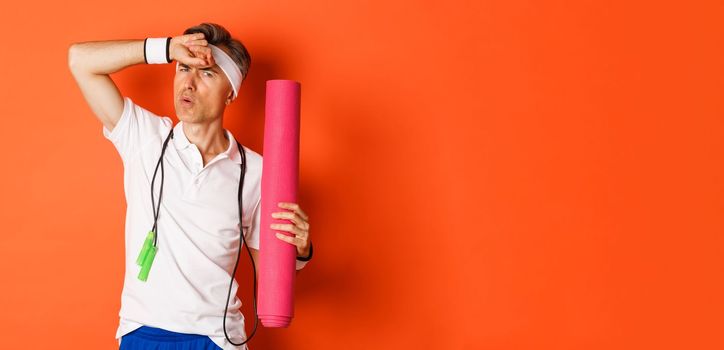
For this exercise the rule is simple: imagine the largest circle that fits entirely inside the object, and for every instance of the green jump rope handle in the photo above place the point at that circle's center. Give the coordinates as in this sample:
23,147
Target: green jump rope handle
146,256
146,247
143,275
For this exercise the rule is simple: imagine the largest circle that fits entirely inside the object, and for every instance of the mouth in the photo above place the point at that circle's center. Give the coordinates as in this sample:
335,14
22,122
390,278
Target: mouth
186,101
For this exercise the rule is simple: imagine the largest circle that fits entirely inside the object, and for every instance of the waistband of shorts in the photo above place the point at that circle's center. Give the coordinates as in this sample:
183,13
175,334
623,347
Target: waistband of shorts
153,333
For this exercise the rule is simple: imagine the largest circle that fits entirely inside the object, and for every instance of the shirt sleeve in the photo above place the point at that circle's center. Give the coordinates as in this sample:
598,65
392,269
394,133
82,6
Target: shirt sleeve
136,127
252,234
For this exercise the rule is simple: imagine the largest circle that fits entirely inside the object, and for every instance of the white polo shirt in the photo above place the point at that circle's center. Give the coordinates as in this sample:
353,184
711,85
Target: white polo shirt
198,238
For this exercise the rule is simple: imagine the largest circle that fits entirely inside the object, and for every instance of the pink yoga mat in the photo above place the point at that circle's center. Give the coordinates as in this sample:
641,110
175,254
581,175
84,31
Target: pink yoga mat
279,182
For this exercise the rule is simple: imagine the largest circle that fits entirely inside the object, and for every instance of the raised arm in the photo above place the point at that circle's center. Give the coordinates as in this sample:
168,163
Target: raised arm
92,62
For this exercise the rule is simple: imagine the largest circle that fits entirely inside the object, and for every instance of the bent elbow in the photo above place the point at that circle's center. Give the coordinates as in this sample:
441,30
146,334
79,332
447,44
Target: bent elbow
74,57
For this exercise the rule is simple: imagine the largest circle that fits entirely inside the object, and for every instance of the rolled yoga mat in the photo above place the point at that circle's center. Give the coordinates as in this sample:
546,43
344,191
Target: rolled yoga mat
279,182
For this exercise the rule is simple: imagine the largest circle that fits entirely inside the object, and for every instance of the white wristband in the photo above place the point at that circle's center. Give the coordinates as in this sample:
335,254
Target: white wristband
155,50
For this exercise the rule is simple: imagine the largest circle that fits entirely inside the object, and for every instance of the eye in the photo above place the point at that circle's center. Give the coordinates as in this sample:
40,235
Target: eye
183,69
208,74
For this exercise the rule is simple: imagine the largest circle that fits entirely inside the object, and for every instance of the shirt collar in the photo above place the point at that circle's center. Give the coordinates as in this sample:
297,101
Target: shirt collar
182,142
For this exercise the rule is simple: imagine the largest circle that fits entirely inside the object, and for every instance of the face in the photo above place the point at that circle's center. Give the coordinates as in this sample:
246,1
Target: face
200,93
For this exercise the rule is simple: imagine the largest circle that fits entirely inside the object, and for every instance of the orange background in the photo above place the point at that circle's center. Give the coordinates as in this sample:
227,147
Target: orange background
478,174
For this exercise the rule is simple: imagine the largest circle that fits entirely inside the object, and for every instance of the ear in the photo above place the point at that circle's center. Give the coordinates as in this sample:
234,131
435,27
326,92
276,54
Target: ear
229,98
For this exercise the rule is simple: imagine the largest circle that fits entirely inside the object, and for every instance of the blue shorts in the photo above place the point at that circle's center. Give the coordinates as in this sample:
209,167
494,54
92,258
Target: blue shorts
151,338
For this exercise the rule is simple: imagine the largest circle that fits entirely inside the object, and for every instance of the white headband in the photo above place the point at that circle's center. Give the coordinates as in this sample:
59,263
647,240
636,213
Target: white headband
227,65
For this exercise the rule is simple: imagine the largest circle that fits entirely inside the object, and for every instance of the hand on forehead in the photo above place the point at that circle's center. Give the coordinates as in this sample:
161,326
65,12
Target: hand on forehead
203,52
197,45
213,56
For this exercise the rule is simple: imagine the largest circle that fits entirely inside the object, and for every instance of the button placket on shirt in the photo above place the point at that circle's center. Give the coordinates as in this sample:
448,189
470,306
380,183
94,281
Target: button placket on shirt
198,169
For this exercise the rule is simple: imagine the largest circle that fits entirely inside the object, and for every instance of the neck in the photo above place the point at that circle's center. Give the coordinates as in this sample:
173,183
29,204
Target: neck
209,137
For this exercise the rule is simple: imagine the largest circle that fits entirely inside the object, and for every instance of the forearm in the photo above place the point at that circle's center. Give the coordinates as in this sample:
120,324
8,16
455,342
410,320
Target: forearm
105,57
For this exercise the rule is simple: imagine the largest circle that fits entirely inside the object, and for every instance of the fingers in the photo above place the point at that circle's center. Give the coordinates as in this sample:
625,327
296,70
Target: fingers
299,229
202,42
205,58
288,239
300,241
290,228
296,219
205,52
295,207
200,62
192,37
197,45
200,49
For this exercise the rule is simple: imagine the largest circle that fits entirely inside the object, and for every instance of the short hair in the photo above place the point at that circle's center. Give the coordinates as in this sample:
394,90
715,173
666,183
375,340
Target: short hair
217,35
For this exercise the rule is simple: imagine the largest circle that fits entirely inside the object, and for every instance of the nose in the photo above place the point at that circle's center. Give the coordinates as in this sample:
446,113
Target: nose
189,82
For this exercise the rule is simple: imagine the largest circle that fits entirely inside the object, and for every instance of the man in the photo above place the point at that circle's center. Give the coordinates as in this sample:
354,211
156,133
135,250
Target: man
182,302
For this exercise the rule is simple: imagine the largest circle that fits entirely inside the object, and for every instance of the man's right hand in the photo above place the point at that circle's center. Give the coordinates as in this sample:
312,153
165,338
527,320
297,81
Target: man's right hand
191,49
